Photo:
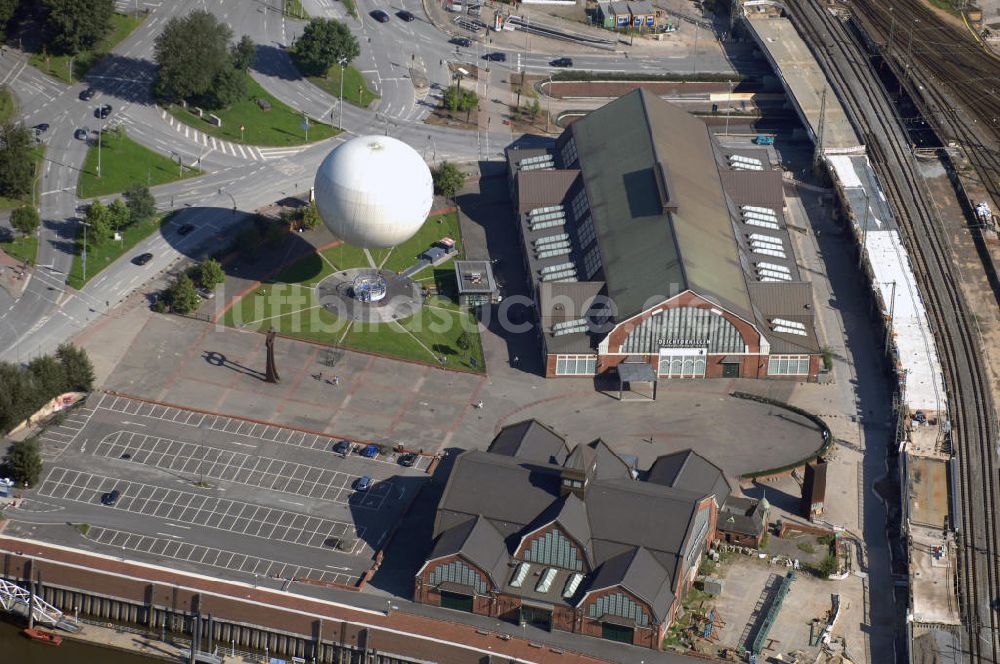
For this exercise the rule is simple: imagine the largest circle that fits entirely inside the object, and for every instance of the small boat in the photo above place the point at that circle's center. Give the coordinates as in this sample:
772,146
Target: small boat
42,636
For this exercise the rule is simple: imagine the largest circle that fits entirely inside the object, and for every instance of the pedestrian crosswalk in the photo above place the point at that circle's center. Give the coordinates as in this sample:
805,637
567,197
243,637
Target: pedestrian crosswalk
213,144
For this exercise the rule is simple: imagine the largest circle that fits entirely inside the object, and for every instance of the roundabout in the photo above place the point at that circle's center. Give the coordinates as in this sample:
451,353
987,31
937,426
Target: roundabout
367,295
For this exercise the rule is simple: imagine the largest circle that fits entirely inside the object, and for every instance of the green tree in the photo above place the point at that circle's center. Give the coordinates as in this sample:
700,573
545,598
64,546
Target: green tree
118,214
17,168
447,179
310,217
23,462
25,219
210,274
229,86
99,223
183,297
464,341
78,370
77,25
534,109
324,42
141,204
48,374
191,51
244,53
7,10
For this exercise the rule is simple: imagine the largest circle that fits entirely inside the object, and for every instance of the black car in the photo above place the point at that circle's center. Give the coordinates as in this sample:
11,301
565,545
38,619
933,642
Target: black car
496,57
342,447
81,134
562,62
406,16
41,128
185,229
464,42
102,112
142,259
88,94
407,460
111,497
379,16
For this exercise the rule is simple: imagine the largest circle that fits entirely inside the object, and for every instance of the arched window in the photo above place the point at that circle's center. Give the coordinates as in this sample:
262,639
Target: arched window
682,327
621,605
458,572
556,550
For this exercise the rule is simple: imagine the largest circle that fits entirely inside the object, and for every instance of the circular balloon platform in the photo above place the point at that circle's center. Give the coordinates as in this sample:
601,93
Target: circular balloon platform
369,295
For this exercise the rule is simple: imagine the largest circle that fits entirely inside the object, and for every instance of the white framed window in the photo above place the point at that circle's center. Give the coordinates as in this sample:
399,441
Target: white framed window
788,365
591,262
585,233
579,205
576,365
682,363
569,154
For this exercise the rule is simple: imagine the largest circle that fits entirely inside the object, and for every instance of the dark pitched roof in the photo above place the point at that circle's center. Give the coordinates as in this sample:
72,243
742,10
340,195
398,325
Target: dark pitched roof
530,440
609,464
657,203
580,458
742,515
638,572
479,542
641,514
571,514
689,470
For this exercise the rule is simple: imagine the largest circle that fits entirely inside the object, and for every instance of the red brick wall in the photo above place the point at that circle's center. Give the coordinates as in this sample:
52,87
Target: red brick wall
647,637
425,593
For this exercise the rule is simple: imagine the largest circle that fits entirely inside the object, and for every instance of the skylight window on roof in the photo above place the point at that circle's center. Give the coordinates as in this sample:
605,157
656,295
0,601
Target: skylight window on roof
542,210
570,327
767,216
537,163
552,269
520,574
546,216
550,239
571,278
762,224
781,329
788,323
562,275
773,266
545,582
554,251
768,250
571,585
756,208
747,167
776,275
767,239
542,225
740,159
771,280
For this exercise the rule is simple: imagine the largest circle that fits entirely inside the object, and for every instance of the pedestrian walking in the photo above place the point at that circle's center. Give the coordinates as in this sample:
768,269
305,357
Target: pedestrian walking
515,361
336,380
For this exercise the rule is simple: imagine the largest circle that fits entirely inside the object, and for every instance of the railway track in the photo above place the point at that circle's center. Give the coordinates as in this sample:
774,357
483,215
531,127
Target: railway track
970,405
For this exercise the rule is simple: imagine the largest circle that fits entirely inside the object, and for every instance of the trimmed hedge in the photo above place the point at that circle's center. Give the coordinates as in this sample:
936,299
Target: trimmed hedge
824,429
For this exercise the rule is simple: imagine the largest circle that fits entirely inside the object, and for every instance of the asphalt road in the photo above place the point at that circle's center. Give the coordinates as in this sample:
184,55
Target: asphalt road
243,177
207,491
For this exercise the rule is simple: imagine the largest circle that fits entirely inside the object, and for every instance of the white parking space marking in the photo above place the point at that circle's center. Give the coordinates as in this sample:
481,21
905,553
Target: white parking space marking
55,439
199,510
238,427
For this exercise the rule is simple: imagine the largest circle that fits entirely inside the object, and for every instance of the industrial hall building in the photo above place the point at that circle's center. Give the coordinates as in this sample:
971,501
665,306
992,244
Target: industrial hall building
646,242
578,539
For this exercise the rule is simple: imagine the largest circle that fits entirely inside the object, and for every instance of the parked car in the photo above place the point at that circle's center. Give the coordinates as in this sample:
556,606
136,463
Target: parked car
406,16
379,16
364,483
88,94
562,62
142,259
407,460
41,128
81,134
206,293
370,451
185,229
464,42
496,56
111,497
342,447
102,112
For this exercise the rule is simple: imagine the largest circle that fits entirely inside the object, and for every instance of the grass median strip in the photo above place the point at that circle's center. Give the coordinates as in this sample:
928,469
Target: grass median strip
278,125
24,248
356,90
38,156
124,163
71,69
102,255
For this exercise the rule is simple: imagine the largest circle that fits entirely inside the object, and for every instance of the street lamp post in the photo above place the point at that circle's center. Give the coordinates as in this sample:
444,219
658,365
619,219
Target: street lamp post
100,132
729,106
343,62
84,261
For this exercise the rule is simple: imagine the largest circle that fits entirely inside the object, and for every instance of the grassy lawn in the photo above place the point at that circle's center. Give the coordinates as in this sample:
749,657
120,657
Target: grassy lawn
288,304
101,256
294,9
7,105
38,155
355,88
124,163
58,66
280,125
23,248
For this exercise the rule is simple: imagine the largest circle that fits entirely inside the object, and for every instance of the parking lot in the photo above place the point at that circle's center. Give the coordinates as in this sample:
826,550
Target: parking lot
217,494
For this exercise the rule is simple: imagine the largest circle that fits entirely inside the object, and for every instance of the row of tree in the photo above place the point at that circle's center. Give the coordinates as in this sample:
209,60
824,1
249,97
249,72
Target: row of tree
199,64
103,221
182,296
17,167
70,26
25,389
